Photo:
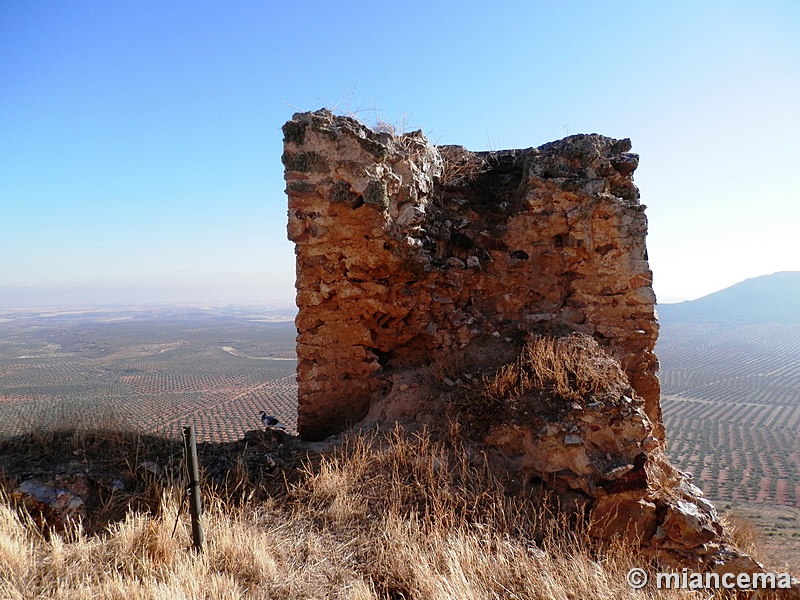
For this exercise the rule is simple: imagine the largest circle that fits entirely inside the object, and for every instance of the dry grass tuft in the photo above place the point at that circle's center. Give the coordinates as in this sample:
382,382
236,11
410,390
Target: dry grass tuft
571,367
459,164
384,516
744,533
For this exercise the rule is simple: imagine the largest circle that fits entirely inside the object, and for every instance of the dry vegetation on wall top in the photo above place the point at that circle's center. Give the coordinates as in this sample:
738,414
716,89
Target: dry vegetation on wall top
382,516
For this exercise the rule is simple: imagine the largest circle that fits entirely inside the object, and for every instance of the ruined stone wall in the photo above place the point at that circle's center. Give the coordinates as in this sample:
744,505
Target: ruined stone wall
409,255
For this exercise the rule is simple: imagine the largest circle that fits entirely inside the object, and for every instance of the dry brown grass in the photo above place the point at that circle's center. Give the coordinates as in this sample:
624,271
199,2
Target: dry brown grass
459,164
744,532
384,516
571,368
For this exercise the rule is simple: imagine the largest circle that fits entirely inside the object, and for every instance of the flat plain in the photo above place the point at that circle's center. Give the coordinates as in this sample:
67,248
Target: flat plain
731,393
147,370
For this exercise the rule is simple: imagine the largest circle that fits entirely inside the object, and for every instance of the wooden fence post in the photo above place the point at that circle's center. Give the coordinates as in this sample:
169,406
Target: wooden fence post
190,443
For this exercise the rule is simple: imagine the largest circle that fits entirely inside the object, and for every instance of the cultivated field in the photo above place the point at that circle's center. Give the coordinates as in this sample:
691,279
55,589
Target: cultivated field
731,392
146,372
732,408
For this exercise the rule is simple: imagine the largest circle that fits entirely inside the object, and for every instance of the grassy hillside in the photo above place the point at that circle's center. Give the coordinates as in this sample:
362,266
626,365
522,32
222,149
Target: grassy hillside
384,515
392,516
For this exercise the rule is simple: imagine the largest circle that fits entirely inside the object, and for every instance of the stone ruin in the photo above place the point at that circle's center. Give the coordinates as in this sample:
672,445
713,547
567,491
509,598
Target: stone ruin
413,258
407,253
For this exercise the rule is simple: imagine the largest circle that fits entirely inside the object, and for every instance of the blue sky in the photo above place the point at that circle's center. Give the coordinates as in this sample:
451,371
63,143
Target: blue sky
140,141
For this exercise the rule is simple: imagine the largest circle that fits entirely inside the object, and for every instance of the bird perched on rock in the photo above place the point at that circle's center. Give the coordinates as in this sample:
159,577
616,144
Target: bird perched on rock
271,422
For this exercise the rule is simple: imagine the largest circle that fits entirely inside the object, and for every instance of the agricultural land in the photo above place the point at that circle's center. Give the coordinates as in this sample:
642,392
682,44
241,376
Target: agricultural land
731,403
150,371
731,391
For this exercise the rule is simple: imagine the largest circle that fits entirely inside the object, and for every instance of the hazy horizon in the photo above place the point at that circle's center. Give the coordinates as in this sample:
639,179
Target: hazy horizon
115,297
120,297
219,290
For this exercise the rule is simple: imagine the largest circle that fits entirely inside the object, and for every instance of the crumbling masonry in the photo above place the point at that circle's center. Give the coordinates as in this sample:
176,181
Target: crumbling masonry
409,254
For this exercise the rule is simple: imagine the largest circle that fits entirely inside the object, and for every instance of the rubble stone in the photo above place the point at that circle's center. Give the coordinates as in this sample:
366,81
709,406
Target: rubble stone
56,502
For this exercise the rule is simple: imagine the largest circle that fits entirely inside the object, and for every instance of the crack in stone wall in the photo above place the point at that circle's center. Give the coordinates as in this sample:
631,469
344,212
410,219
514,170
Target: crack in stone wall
409,254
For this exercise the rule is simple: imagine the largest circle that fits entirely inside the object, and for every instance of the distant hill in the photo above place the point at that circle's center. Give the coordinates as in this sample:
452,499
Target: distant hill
767,299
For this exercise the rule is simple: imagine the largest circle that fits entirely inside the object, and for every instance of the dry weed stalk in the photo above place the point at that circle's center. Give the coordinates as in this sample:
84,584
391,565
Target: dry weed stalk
743,532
